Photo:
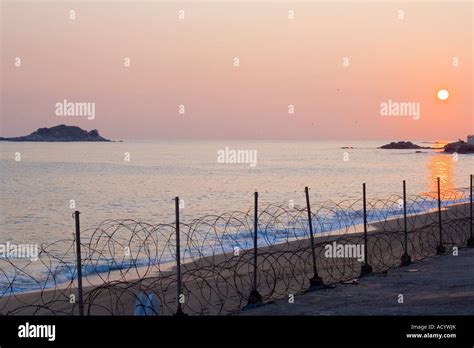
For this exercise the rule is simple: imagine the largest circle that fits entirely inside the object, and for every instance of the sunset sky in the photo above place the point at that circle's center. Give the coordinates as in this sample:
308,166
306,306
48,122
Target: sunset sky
283,62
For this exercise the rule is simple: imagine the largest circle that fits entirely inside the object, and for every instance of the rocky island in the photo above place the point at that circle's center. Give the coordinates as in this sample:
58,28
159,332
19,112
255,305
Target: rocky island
60,133
403,145
459,146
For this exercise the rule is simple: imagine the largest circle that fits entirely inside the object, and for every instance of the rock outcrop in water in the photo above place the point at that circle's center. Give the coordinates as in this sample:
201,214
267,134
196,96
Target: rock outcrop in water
60,133
459,147
402,145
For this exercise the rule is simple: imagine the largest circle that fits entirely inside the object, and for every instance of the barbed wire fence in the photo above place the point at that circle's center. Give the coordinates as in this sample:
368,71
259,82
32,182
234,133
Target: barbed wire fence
220,264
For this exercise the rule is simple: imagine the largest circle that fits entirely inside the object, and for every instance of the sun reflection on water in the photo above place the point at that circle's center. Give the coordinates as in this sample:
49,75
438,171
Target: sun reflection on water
442,166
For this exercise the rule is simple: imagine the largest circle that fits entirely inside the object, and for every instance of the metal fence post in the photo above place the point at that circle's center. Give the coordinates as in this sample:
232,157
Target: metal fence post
470,241
440,249
79,263
179,310
316,281
406,259
366,268
255,299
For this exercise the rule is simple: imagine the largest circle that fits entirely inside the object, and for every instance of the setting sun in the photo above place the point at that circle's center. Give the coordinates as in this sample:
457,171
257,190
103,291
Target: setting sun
443,94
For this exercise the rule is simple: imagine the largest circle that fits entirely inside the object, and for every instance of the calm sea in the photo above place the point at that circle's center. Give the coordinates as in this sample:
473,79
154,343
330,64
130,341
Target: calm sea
36,191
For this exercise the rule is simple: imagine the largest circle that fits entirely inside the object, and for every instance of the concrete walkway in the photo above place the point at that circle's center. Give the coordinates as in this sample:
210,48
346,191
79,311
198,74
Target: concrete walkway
441,285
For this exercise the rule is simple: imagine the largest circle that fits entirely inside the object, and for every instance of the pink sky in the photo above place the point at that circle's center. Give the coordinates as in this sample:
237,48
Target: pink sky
282,62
